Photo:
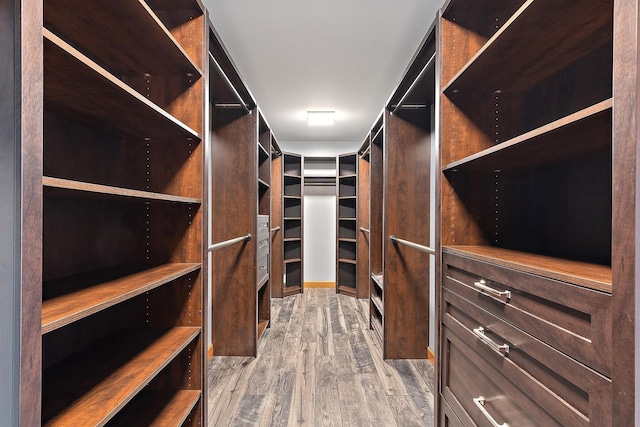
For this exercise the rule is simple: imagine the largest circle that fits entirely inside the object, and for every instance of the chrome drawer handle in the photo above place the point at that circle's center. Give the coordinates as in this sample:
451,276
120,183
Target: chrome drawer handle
479,402
502,349
263,267
482,285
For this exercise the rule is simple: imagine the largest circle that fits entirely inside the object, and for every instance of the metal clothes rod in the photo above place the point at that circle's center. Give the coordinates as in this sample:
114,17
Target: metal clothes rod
430,63
422,248
228,82
273,230
229,242
364,229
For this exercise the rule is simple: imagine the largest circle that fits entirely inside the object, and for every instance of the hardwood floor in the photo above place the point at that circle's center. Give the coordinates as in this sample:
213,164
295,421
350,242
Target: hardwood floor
319,365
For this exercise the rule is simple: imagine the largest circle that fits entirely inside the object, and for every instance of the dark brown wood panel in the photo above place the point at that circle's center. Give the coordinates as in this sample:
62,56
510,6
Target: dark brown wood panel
102,30
158,409
79,89
625,230
406,216
232,199
364,189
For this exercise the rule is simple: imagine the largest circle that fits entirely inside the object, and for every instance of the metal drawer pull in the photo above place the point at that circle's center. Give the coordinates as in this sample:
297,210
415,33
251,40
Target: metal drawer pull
479,401
502,349
482,285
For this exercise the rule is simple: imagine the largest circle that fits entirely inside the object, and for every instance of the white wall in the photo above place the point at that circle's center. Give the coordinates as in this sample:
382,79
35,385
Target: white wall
319,234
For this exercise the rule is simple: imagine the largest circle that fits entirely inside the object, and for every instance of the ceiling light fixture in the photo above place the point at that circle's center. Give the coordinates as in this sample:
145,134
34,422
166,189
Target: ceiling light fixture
320,118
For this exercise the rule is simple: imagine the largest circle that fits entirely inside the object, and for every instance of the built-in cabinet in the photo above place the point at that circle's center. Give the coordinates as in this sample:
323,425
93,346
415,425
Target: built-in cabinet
537,180
347,223
292,207
118,302
239,198
397,158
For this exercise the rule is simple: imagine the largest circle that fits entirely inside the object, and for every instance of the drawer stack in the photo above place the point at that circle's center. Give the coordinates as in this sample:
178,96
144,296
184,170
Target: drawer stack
528,219
527,349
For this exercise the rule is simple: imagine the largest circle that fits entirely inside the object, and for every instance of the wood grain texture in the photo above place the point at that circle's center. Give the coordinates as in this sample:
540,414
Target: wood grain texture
126,364
625,236
104,29
406,270
21,121
67,300
158,409
233,211
306,386
78,88
362,251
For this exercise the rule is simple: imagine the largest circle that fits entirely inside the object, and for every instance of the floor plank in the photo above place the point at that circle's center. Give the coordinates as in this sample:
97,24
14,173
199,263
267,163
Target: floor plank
319,365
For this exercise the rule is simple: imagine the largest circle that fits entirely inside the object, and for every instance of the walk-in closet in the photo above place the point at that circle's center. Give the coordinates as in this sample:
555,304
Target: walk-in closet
332,213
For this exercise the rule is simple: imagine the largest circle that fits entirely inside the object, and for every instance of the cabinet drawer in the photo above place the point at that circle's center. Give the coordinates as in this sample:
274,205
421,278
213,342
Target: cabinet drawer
263,247
448,418
573,319
262,267
570,392
476,390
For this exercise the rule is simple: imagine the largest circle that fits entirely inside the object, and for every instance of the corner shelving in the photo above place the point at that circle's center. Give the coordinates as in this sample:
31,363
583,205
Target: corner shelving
293,223
346,218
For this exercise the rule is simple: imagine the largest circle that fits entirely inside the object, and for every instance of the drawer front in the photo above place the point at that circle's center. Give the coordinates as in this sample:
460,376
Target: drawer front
448,418
477,391
262,267
263,247
570,392
573,319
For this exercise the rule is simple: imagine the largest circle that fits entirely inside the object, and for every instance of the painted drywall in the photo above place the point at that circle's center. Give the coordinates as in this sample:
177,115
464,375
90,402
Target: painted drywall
319,234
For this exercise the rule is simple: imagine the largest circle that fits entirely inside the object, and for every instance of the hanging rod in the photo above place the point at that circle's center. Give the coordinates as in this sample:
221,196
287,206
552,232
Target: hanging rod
422,248
273,230
429,64
364,229
228,82
229,242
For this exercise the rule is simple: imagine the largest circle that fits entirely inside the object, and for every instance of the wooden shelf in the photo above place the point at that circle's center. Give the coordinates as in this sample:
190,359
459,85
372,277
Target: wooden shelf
78,88
593,276
70,299
57,187
580,133
262,283
103,30
262,326
288,175
263,183
292,260
535,44
347,290
157,409
292,218
378,280
292,239
292,290
378,304
349,175
348,197
293,197
347,261
90,387
377,135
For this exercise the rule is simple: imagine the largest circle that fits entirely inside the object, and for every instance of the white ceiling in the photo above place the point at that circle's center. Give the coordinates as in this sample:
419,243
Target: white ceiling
342,55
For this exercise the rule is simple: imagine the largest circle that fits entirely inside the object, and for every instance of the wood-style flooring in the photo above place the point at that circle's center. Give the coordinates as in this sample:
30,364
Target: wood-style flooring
319,365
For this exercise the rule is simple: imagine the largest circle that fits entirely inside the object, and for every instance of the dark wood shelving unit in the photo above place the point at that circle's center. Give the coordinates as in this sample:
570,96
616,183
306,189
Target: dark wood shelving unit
240,200
292,207
122,196
277,211
396,156
533,154
347,224
158,408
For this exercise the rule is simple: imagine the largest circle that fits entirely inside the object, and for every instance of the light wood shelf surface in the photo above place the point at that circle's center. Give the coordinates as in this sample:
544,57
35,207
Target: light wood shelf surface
593,276
158,409
70,299
58,187
101,379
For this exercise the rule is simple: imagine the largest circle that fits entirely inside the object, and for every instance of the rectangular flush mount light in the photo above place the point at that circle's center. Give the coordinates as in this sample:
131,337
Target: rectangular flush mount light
320,118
